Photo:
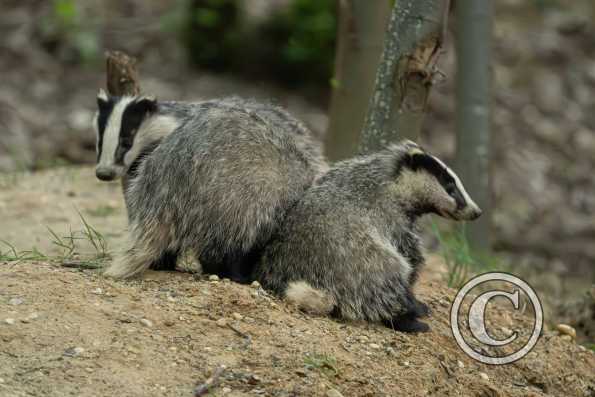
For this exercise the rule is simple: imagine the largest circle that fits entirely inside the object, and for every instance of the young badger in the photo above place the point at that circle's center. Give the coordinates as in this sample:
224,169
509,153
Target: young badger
214,177
349,247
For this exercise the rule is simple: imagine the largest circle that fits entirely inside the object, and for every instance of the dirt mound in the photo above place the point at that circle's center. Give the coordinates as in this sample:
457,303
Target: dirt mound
70,332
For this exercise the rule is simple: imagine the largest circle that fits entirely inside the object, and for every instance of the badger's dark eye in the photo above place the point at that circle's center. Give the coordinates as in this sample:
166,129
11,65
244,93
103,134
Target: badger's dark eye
126,142
450,188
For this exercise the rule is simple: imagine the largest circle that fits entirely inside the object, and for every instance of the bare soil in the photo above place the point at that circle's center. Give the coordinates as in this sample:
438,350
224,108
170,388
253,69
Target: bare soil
71,332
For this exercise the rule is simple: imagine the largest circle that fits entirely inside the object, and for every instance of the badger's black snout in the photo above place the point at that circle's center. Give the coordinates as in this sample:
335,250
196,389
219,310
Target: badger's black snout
476,214
105,174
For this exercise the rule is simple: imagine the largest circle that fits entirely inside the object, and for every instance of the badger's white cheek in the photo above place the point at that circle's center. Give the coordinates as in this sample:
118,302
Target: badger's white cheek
449,206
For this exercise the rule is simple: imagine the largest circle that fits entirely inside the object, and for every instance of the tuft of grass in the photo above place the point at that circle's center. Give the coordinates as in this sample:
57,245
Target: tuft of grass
68,248
462,262
324,363
11,254
102,211
96,239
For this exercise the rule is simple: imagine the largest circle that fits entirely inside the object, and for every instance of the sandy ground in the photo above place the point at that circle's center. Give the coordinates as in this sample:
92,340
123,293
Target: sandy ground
70,332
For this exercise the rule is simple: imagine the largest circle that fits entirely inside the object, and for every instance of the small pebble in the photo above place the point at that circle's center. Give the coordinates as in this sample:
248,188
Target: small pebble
363,338
30,317
169,323
226,390
213,277
74,351
146,323
254,379
9,321
15,301
582,348
406,363
237,316
97,291
1,380
460,364
565,329
226,280
484,376
390,351
374,346
333,393
567,338
255,284
222,322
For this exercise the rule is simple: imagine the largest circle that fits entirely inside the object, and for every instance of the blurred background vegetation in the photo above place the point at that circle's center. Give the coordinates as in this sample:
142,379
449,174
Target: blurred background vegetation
543,127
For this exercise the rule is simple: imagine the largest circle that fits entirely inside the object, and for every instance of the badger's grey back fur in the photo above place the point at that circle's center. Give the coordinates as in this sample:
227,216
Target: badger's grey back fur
219,184
352,239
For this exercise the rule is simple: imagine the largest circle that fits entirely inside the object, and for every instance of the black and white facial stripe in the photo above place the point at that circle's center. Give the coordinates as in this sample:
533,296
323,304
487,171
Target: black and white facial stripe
465,207
118,124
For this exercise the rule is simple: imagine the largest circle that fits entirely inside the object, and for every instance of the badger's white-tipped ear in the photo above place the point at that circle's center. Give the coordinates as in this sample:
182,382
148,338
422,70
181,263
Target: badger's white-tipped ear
102,95
150,98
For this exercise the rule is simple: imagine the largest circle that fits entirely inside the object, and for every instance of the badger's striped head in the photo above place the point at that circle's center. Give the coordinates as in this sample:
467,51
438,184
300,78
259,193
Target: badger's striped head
117,123
432,186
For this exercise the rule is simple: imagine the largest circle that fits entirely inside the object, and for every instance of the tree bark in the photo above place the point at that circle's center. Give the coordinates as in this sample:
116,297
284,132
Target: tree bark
122,79
405,75
473,81
362,26
121,74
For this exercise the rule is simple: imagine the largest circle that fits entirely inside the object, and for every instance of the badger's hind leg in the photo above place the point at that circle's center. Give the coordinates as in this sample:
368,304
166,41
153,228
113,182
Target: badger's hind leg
167,261
420,309
240,266
408,321
139,253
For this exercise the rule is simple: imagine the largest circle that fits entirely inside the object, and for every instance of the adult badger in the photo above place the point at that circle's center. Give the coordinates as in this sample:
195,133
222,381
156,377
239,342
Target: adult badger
214,177
349,247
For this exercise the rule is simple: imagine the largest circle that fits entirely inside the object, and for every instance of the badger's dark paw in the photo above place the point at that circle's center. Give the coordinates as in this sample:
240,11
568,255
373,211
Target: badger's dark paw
421,309
407,323
412,326
166,262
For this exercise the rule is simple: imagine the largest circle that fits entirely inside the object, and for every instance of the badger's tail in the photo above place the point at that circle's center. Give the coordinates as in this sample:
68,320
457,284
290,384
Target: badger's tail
309,299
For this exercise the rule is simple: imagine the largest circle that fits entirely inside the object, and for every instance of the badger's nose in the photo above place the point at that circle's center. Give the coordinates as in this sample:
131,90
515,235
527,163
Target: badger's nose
105,174
476,213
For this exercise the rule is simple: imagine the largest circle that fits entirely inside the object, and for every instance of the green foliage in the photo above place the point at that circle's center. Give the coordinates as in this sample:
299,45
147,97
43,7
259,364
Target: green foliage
544,5
69,34
324,363
299,43
461,261
68,248
102,211
211,32
294,45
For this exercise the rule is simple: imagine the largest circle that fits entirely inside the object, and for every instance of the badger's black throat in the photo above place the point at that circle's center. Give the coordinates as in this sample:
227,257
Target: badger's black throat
132,117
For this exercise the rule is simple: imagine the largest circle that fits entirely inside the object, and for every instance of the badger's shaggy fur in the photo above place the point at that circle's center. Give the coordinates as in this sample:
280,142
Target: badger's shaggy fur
350,248
214,177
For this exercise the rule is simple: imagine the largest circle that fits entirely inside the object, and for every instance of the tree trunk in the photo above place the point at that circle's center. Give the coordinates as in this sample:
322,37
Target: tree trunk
122,79
362,26
405,74
121,74
473,18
